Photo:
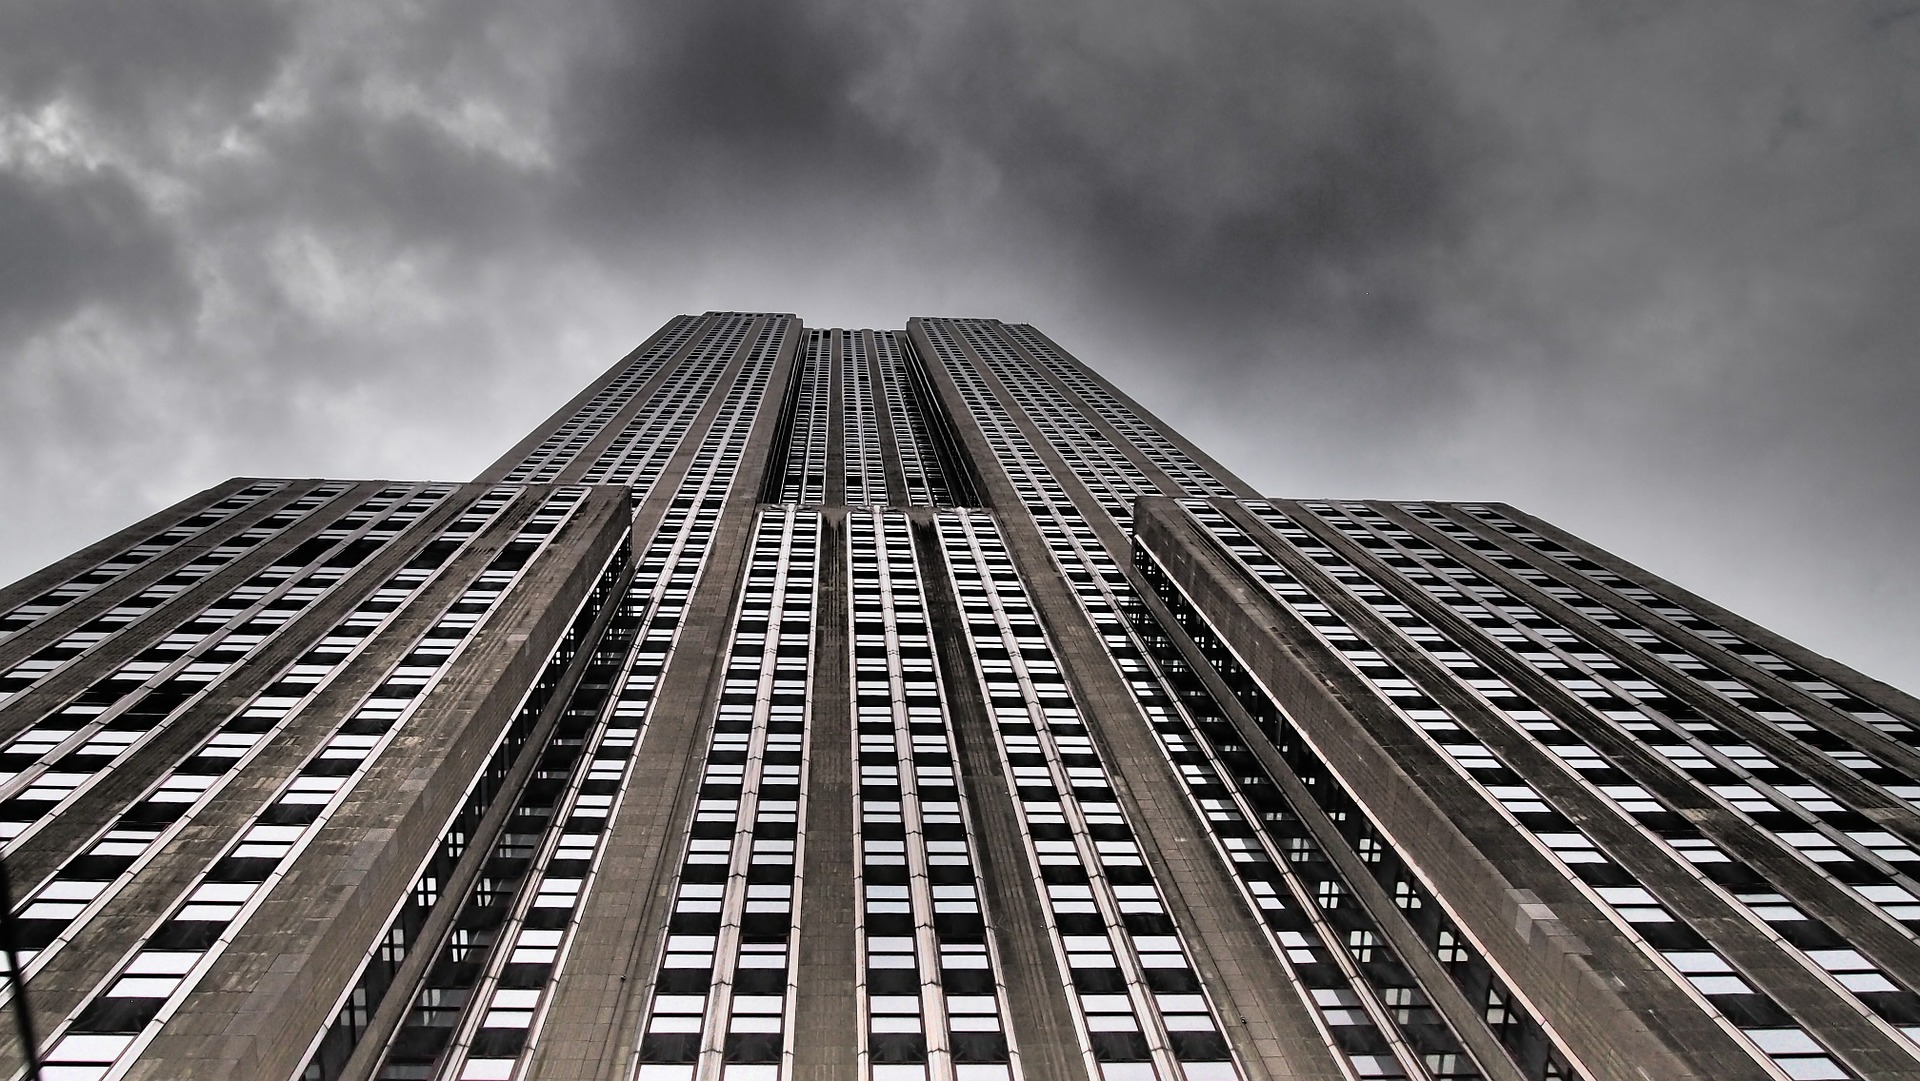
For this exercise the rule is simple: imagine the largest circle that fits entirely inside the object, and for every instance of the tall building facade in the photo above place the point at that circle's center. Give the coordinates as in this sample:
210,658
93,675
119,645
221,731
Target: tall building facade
822,704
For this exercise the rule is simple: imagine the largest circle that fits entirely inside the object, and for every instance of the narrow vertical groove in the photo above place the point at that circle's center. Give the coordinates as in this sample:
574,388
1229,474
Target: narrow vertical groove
824,1048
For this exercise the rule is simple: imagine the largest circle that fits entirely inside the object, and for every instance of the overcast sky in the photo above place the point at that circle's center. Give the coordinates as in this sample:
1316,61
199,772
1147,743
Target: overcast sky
1648,269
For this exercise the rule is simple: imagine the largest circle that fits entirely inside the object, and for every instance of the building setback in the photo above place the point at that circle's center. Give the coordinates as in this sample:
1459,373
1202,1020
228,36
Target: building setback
804,704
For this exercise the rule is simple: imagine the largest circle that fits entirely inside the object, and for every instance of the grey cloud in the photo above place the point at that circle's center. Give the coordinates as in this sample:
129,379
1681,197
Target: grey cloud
1644,268
1316,169
1311,170
79,240
698,117
136,66
394,181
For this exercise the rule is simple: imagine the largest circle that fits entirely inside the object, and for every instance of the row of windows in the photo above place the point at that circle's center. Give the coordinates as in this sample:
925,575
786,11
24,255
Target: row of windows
1779,722
94,578
865,469
639,452
723,996
806,477
52,913
1359,1008
488,969
1038,490
1663,935
1689,849
1691,621
1358,1036
912,433
479,1012
1362,994
334,1045
1112,478
1145,1011
1679,672
928,983
82,642
47,766
848,359
1334,946
1630,716
503,1012
1371,1008
1200,1041
1512,1022
1193,478
717,460
118,1017
555,452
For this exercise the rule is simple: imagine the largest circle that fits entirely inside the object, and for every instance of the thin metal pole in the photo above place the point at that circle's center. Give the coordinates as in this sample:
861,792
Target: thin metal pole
22,1014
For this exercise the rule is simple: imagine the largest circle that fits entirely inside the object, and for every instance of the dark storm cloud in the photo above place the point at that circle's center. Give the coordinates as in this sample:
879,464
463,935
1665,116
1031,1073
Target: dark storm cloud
1318,166
752,87
690,119
1320,146
1644,268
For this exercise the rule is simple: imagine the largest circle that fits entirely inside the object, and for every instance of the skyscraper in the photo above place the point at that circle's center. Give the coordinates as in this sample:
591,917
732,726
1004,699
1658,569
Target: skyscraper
803,704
